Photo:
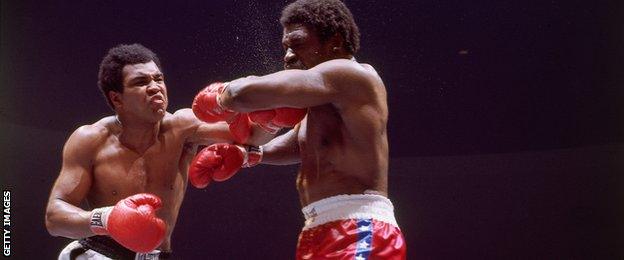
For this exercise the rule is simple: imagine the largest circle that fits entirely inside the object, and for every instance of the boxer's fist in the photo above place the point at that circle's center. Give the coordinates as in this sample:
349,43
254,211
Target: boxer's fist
220,162
273,120
288,117
217,162
240,128
206,105
132,222
207,108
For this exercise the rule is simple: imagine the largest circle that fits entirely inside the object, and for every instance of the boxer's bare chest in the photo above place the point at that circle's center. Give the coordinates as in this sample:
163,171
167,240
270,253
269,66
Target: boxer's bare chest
324,171
321,132
119,172
337,158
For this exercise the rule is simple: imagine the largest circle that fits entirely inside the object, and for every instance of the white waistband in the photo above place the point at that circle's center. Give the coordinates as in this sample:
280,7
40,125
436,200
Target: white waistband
357,206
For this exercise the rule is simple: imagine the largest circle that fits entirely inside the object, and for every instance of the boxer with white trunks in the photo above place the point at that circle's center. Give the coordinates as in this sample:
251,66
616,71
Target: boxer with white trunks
341,143
111,164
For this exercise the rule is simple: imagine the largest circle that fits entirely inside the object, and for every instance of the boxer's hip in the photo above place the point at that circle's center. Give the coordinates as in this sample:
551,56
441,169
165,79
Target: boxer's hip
356,206
351,226
104,247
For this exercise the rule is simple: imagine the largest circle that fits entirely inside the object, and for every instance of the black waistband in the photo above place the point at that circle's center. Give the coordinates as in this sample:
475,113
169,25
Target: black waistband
110,248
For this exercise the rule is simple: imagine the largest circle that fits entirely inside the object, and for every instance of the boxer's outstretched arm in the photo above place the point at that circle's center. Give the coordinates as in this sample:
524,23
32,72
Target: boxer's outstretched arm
210,133
283,150
63,216
339,82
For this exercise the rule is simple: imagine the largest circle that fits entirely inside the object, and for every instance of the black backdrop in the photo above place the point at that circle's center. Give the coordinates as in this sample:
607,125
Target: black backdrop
505,125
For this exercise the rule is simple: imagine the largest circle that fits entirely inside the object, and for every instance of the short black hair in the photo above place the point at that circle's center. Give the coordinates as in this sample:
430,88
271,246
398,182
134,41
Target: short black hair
110,76
326,17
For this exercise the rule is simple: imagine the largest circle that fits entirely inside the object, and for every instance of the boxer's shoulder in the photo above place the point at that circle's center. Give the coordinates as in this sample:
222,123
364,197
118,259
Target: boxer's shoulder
343,72
100,128
357,83
182,120
91,136
347,65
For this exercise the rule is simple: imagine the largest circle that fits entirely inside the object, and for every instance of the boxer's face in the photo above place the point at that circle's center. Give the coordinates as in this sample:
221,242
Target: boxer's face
303,47
145,93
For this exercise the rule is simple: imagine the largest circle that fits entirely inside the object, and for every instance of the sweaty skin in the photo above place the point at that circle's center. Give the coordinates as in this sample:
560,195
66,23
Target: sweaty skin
344,151
143,150
342,144
119,172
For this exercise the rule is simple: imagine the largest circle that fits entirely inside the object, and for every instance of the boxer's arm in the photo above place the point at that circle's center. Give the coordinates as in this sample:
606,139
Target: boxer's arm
63,216
283,150
338,82
209,133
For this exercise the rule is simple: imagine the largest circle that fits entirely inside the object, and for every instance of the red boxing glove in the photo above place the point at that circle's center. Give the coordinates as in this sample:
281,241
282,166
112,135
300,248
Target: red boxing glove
207,107
240,128
202,167
220,162
132,222
273,120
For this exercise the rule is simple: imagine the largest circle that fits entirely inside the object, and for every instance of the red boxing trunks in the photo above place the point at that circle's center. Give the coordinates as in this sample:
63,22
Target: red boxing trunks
351,227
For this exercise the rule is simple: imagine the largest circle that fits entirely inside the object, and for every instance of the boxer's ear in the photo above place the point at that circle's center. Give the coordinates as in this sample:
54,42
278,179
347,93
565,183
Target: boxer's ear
336,42
115,98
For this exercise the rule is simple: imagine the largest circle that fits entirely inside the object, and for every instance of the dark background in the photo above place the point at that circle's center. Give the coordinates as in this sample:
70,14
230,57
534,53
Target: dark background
506,134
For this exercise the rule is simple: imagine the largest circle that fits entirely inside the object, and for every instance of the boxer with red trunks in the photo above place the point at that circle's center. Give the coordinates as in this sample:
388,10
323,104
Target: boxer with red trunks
341,143
132,168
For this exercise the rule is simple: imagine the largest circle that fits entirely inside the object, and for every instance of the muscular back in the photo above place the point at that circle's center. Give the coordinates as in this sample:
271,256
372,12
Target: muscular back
344,146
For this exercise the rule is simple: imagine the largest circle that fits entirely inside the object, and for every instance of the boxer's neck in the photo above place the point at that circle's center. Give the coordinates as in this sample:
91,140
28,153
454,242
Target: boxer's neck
137,136
343,56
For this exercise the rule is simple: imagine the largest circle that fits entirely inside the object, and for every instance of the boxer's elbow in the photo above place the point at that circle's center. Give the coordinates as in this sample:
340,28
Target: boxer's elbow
57,228
244,96
259,136
51,223
54,221
62,220
236,99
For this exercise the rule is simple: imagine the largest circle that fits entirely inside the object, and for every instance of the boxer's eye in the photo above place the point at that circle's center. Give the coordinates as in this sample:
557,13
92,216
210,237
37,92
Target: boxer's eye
295,47
140,81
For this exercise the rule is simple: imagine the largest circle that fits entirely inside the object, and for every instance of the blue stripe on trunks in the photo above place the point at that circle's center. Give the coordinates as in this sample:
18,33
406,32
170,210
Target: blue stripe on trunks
365,239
